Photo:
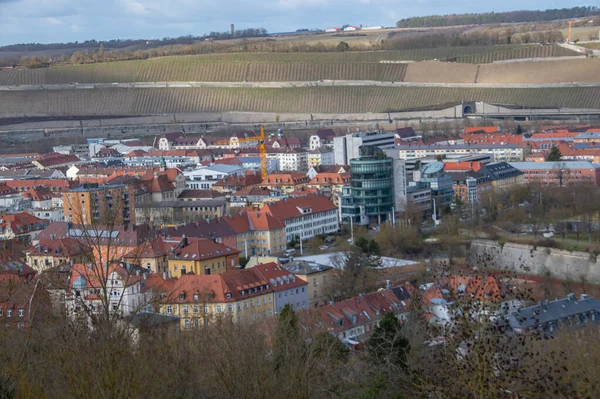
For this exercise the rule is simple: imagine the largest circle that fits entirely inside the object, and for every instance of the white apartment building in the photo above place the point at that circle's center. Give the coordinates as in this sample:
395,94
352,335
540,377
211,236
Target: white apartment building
291,160
501,153
320,156
305,216
204,177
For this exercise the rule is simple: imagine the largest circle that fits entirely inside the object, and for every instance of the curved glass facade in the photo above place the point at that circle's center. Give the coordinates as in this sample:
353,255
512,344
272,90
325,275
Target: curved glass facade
371,193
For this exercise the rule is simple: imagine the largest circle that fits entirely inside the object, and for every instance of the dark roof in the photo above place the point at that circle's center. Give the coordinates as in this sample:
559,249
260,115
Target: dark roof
553,311
405,132
499,170
215,228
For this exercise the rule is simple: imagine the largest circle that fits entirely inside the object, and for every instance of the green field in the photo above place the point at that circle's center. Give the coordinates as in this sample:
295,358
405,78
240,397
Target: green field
262,67
335,100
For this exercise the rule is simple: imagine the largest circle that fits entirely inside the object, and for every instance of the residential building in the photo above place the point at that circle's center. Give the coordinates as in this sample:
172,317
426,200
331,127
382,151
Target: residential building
234,183
126,292
154,254
419,197
285,182
353,320
54,160
507,153
320,156
202,256
20,301
559,173
318,277
552,316
180,211
53,185
52,253
199,195
290,159
206,176
288,289
322,138
258,233
370,196
347,147
104,205
315,170
198,300
21,227
330,184
305,216
254,197
216,229
470,187
13,201
503,176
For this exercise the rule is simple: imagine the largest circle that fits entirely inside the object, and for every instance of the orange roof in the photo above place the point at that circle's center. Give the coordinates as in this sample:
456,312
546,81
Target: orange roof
250,221
330,178
486,129
291,207
555,135
492,138
285,179
462,166
52,184
202,249
22,222
236,180
280,278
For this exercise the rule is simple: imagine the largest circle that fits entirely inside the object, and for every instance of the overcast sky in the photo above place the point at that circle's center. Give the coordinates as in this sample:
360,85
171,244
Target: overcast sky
48,21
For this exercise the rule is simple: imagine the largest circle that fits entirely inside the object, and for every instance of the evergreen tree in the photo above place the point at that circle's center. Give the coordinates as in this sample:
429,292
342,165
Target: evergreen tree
554,155
519,129
387,345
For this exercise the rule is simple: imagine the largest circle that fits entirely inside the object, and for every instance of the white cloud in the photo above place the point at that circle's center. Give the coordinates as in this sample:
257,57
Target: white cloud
53,21
75,28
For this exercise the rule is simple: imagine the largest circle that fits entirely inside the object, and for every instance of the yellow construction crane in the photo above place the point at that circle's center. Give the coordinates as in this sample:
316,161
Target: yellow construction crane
262,149
571,27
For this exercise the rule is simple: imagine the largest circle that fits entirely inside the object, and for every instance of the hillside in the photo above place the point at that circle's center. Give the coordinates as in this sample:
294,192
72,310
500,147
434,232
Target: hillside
335,100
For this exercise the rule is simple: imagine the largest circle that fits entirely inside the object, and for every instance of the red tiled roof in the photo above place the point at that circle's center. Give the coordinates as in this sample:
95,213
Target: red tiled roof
486,129
96,276
250,221
285,179
462,166
22,222
290,208
57,247
57,185
201,249
330,178
236,180
54,158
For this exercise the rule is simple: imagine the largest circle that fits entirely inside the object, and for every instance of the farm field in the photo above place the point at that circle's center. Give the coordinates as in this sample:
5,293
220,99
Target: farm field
335,100
595,45
441,72
238,67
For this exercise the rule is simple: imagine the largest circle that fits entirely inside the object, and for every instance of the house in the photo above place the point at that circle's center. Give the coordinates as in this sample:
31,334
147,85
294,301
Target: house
551,316
254,197
215,229
315,170
503,175
93,287
153,255
351,28
288,289
318,277
206,176
22,303
330,185
285,182
12,201
54,185
257,233
54,160
202,256
52,253
305,216
234,183
470,187
22,227
198,300
165,142
322,138
198,195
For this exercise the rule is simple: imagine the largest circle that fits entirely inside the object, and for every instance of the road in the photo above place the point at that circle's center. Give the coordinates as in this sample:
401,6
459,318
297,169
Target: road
321,83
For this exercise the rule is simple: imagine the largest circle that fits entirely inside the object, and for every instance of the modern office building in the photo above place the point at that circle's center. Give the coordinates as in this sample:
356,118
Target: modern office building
370,196
348,147
433,176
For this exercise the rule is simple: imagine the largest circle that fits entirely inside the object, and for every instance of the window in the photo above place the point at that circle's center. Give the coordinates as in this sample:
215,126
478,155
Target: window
21,313
219,309
239,307
185,309
196,309
264,300
169,309
1,312
230,308
252,303
270,299
186,323
302,289
205,308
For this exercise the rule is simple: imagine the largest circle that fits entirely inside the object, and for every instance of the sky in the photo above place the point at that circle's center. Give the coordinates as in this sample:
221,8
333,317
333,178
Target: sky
51,21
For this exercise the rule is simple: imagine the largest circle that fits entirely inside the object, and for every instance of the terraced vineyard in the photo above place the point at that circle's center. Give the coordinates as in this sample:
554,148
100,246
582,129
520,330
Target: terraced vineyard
519,52
237,67
335,100
595,45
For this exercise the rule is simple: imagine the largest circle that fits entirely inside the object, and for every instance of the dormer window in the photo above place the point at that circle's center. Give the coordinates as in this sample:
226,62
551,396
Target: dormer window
228,295
243,292
182,296
196,297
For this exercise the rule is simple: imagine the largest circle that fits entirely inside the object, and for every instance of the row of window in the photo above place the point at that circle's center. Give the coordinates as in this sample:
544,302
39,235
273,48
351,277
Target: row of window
9,312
